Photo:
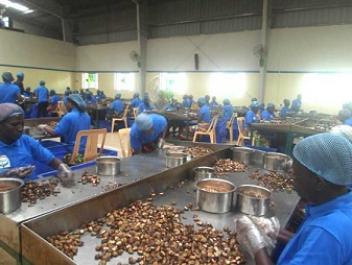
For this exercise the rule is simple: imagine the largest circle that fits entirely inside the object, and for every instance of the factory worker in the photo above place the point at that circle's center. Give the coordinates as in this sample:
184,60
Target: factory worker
19,81
251,115
322,173
213,103
18,150
147,131
228,109
221,126
145,104
269,113
285,109
185,102
136,101
9,93
204,114
53,103
77,119
42,93
207,100
296,104
117,105
27,92
345,116
254,101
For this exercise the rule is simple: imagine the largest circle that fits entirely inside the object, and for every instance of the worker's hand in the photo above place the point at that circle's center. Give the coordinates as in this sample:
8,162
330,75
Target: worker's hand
161,143
20,172
65,175
248,235
42,127
269,228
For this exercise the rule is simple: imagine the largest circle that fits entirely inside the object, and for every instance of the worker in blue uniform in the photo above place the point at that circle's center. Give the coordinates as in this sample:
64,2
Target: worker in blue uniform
204,114
19,151
75,120
186,102
228,109
145,104
53,103
221,126
322,176
269,113
117,105
42,93
251,115
296,104
19,81
285,110
9,93
147,131
213,104
136,101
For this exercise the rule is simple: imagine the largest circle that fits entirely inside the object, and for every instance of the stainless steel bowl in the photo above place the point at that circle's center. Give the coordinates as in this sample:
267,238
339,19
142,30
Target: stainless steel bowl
203,173
175,159
215,195
253,200
277,161
242,154
257,158
10,194
108,165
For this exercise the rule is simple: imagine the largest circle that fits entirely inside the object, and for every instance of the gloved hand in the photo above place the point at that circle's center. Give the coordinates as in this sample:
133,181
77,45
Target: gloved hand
161,143
42,127
20,172
65,175
248,234
269,228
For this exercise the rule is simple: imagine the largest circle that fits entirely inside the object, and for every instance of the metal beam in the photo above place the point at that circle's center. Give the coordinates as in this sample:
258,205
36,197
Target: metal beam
48,6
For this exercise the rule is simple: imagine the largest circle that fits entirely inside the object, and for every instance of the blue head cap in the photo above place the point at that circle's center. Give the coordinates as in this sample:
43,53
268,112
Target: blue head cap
78,101
7,77
270,106
328,155
20,75
118,96
226,101
144,122
8,110
254,106
42,83
201,101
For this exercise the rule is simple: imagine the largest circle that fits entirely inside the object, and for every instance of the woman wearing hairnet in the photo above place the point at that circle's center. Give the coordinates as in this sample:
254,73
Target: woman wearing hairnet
269,113
75,120
18,151
9,93
136,101
117,105
147,131
251,115
322,173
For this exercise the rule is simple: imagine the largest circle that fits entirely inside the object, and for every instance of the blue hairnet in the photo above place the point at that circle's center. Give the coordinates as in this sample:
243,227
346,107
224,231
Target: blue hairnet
42,83
201,101
20,75
328,155
118,96
254,105
76,98
270,106
343,130
8,110
7,77
226,102
144,122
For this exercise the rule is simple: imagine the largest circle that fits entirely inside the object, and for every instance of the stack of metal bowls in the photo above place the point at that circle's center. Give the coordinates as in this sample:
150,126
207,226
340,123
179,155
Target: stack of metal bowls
277,161
175,159
108,165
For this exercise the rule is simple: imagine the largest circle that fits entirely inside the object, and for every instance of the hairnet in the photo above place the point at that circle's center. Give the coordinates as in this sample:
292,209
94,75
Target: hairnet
7,77
118,96
144,122
52,92
42,83
78,100
343,130
8,110
328,155
135,95
226,101
270,106
201,101
254,106
20,75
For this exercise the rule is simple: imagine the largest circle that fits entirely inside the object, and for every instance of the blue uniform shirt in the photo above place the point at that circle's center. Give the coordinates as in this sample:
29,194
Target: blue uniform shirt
9,93
54,99
42,93
228,111
324,237
348,122
117,106
266,115
144,107
23,152
283,112
71,124
187,103
296,105
139,138
250,118
135,102
204,114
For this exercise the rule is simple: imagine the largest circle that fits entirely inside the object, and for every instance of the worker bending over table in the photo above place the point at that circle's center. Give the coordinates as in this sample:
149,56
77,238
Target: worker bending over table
322,175
19,151
77,119
147,131
9,93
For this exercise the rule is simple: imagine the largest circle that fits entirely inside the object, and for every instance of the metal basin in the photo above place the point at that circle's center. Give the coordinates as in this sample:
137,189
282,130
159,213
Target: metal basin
203,173
257,158
108,165
242,154
277,161
215,195
253,200
175,159
10,194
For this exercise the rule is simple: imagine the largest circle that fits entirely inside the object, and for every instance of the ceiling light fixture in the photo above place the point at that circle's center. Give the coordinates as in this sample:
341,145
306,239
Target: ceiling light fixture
16,6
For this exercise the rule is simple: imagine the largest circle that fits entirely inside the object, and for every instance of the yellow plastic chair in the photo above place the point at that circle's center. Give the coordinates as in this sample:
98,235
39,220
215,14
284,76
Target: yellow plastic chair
229,126
125,142
211,131
91,148
242,133
123,119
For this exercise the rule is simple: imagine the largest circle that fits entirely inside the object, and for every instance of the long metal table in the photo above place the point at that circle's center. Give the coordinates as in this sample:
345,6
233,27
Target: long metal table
34,131
36,250
133,169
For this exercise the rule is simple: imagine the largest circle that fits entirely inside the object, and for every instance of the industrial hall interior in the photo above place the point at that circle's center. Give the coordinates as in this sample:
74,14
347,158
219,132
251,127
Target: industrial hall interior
175,132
